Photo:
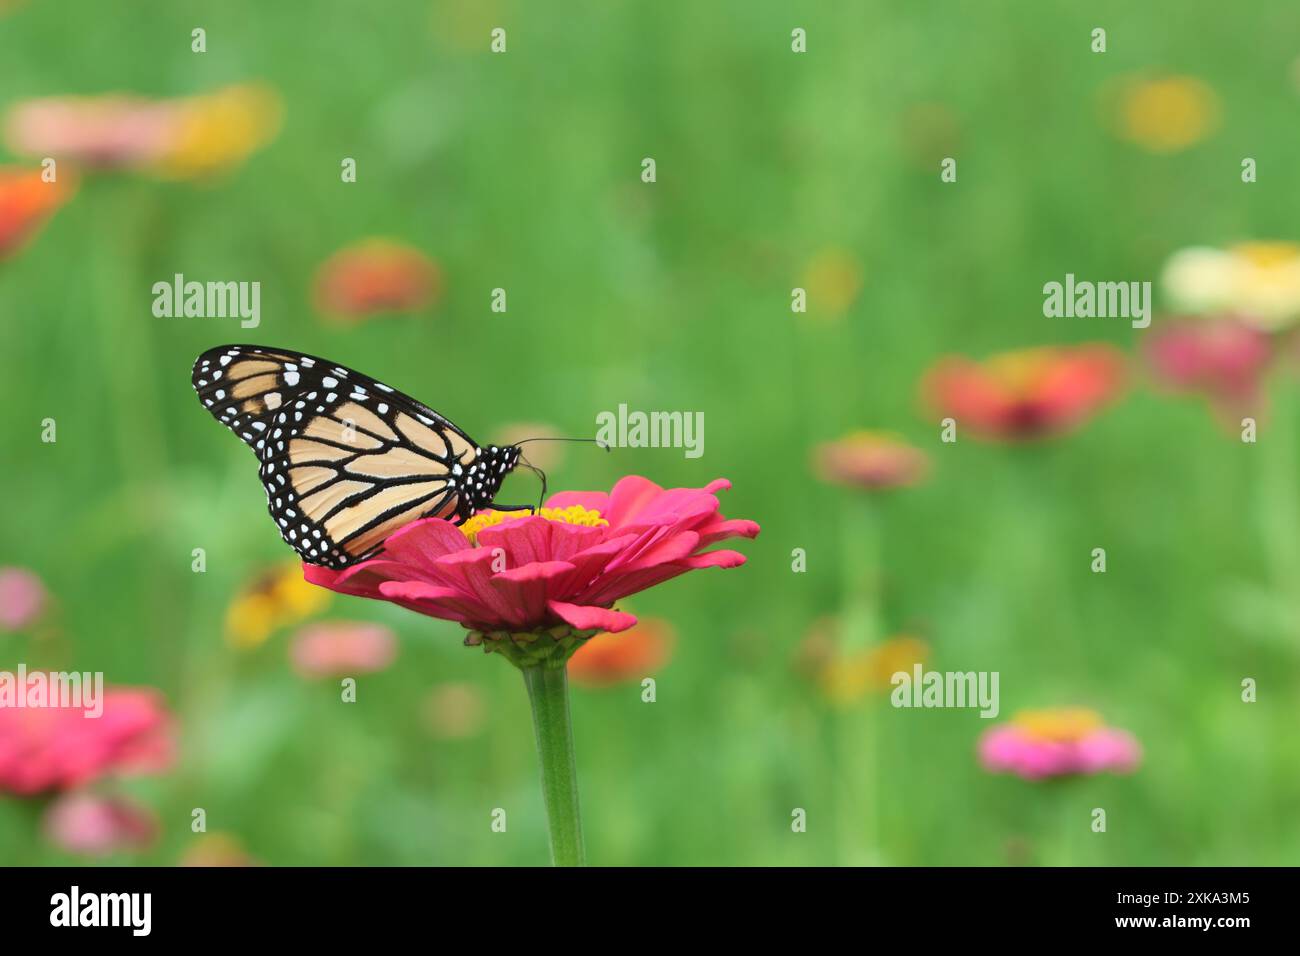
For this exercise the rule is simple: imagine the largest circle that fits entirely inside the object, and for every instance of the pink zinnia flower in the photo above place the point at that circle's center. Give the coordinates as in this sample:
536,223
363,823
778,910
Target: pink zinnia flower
510,572
1058,742
1026,394
342,649
1223,358
22,598
185,137
57,748
92,825
872,461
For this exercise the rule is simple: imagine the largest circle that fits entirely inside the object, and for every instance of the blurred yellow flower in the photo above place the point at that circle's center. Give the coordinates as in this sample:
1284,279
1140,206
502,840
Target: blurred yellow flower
275,599
846,677
833,279
220,130
1167,114
217,849
1257,282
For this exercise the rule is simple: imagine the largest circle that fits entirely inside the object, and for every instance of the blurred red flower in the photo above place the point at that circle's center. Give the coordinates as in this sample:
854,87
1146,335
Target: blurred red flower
509,572
637,653
92,825
26,201
1222,358
342,649
376,276
871,460
1026,394
56,748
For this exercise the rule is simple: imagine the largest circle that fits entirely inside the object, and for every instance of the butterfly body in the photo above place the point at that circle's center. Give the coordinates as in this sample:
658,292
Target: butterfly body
345,460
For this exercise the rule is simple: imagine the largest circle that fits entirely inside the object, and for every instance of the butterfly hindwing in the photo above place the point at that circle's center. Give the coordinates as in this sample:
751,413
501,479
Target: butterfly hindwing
345,459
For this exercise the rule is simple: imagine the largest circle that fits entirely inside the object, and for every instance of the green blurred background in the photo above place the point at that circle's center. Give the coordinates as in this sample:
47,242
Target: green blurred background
523,171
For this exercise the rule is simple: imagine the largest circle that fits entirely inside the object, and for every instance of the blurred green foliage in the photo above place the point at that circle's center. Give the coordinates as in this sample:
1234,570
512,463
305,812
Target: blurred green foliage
522,171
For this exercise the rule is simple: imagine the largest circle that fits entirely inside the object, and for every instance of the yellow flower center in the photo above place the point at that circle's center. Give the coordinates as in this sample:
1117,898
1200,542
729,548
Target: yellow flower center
1063,725
574,514
1020,371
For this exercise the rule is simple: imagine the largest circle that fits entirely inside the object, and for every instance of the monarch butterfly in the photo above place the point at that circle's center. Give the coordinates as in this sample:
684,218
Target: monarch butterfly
346,460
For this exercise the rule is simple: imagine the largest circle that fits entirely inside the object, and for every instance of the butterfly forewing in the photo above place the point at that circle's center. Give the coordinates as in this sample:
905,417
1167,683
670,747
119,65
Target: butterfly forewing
345,460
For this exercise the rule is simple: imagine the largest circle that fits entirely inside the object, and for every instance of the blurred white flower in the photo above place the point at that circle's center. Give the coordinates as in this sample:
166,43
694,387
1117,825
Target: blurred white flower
1258,282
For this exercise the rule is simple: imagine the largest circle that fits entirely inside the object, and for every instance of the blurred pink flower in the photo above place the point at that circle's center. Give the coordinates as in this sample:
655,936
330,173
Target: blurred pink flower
342,649
1222,358
872,461
100,131
57,748
509,572
92,825
376,276
185,137
1058,742
22,598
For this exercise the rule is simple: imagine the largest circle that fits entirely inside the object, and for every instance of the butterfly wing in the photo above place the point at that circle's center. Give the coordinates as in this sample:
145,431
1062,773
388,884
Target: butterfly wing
345,460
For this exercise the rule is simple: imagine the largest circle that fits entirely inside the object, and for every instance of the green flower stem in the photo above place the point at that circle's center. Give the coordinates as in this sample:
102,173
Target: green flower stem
860,573
548,692
857,794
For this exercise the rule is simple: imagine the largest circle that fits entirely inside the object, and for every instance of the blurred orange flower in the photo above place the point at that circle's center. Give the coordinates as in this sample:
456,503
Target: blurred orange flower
274,599
1026,394
609,658
26,201
872,460
1167,114
177,138
375,276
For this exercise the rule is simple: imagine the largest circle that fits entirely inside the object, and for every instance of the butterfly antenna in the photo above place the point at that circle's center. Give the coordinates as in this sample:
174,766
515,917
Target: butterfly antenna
593,441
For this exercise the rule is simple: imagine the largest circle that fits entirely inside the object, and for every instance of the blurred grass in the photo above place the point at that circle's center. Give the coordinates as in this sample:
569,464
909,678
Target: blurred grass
522,171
